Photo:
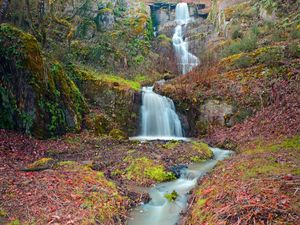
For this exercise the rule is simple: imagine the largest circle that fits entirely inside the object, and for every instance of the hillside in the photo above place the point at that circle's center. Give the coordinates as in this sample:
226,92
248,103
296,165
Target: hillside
216,140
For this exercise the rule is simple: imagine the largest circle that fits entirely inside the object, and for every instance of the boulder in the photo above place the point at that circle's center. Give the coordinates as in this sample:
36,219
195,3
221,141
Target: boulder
215,112
37,96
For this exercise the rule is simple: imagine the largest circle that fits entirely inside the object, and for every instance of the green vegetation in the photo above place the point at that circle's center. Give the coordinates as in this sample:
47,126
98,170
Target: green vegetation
117,134
14,222
3,213
143,169
43,163
131,84
246,44
203,149
66,164
276,146
171,196
54,97
171,144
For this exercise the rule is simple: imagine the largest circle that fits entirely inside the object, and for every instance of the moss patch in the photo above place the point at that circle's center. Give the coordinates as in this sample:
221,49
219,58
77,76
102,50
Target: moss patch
171,144
117,134
263,175
41,164
3,213
144,169
203,150
171,196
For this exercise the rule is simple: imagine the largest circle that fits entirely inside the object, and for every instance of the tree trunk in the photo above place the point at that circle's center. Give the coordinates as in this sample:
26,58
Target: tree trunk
3,9
42,22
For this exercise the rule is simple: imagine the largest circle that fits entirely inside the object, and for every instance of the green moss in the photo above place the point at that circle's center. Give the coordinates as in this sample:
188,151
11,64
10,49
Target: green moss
8,109
203,149
117,172
117,134
3,213
100,124
14,222
55,105
164,40
159,174
41,164
122,82
66,164
105,10
243,62
197,159
266,168
143,168
171,196
171,144
285,144
201,202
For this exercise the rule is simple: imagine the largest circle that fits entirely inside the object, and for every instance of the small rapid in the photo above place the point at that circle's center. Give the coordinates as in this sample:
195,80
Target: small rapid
186,60
159,211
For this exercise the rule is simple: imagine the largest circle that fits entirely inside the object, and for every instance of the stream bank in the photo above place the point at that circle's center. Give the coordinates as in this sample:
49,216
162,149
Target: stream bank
106,166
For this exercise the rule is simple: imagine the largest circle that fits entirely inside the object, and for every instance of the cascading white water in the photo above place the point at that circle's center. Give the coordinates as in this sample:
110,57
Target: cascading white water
159,119
186,60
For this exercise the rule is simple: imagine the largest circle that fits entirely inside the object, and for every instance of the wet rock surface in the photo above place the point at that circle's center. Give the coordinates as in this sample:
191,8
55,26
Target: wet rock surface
177,169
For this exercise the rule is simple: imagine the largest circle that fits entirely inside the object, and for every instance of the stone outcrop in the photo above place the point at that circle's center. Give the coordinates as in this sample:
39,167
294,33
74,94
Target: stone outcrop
37,96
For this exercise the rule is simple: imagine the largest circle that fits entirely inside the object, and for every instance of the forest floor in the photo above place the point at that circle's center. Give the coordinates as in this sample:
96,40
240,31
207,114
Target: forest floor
82,178
58,181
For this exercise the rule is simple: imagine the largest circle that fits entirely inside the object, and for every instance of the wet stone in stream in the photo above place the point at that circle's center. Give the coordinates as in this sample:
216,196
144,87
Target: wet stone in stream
177,169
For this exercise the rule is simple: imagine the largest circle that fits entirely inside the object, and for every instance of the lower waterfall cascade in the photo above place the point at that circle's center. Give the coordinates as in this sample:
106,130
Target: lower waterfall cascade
159,120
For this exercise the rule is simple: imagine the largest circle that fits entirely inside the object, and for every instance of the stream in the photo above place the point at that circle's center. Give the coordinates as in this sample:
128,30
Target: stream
159,121
159,211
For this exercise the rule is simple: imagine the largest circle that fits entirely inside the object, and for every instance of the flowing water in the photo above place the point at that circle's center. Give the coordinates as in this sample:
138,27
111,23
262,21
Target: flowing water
159,119
186,60
159,211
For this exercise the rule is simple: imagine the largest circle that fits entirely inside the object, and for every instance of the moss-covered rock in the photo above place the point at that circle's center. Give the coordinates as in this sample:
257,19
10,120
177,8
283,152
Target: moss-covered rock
118,134
37,97
171,145
99,124
203,152
144,170
118,98
41,164
171,196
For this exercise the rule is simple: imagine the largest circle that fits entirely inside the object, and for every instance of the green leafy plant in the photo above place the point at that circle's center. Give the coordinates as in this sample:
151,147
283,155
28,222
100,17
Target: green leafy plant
171,196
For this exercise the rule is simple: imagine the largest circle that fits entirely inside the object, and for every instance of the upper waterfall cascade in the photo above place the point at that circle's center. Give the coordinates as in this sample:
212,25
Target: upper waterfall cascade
186,60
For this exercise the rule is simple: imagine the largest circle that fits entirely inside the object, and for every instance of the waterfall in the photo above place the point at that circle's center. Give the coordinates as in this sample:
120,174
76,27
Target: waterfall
159,118
186,60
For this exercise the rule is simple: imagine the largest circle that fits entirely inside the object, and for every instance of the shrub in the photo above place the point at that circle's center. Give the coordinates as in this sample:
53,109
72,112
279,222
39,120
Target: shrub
243,62
292,50
246,44
270,57
278,35
236,33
